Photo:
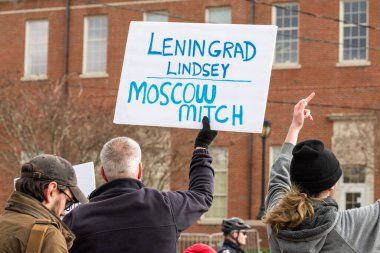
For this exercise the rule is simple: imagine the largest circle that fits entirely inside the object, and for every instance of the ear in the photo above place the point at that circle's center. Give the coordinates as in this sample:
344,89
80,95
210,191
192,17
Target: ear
234,235
332,191
49,193
103,174
140,173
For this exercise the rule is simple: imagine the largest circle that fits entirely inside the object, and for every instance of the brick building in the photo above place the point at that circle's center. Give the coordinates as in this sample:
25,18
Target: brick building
331,47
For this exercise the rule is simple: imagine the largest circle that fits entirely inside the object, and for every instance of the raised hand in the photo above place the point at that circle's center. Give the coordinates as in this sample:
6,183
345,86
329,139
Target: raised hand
300,113
205,135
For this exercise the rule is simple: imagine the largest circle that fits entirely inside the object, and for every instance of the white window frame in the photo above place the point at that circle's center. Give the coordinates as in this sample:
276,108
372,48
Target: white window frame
27,61
351,62
288,64
85,72
156,16
364,188
205,219
216,8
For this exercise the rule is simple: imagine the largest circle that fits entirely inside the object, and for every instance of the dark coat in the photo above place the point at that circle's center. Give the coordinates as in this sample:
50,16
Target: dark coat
125,216
230,247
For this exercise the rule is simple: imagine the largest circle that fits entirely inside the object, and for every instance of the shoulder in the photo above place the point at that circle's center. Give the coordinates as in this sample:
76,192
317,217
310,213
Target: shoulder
54,240
224,250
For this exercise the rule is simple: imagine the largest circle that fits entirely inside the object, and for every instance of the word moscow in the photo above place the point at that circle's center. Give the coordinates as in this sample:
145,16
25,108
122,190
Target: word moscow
194,74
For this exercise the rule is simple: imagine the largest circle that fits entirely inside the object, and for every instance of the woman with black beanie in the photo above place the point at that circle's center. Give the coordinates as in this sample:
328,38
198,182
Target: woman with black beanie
301,214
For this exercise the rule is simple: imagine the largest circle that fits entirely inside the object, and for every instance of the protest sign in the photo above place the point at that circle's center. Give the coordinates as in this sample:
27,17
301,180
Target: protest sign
175,73
85,178
85,173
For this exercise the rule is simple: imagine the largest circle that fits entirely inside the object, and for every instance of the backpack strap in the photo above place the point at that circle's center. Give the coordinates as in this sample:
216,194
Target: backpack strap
36,236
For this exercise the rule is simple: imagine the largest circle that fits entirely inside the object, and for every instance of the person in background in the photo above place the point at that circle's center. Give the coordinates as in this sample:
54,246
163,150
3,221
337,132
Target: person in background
31,221
126,216
301,213
199,248
235,235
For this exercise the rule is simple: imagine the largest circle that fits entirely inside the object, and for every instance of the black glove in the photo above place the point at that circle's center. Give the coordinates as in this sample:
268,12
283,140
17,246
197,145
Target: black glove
206,135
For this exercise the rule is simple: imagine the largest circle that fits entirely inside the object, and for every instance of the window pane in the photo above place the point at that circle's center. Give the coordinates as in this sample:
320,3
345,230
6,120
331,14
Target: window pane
96,44
354,36
287,35
218,208
36,47
274,152
219,15
156,16
220,164
221,181
352,200
353,174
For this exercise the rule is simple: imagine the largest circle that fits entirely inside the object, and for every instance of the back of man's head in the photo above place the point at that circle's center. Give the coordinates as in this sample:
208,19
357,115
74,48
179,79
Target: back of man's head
120,158
37,174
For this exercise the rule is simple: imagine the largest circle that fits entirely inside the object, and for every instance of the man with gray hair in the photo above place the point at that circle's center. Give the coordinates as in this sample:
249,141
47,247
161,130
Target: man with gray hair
125,216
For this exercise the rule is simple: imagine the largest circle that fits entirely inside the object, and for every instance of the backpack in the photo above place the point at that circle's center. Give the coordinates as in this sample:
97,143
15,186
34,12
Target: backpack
36,236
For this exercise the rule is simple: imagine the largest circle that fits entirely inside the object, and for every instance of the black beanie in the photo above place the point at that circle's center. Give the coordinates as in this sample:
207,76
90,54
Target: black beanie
314,168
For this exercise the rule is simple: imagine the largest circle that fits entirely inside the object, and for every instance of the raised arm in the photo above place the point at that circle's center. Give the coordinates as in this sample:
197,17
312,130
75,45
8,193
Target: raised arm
279,180
189,205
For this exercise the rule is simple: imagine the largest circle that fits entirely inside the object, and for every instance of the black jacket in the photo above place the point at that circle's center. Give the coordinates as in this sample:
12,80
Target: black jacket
125,216
230,247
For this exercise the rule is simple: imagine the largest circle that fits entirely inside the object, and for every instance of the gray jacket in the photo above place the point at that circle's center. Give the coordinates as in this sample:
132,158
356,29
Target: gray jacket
355,230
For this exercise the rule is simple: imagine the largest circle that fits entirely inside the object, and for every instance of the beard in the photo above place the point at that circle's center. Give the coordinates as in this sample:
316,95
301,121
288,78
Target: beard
56,208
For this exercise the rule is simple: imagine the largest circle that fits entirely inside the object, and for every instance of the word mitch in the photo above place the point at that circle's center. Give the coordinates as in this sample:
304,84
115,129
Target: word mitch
193,100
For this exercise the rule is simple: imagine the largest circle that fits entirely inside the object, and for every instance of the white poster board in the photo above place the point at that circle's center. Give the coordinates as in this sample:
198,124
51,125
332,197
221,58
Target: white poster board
85,173
175,73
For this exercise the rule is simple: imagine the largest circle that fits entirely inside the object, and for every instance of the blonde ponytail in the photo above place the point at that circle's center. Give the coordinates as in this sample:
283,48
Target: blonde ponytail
290,211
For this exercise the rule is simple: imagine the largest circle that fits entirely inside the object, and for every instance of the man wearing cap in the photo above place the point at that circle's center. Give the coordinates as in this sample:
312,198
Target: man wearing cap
31,220
302,215
126,216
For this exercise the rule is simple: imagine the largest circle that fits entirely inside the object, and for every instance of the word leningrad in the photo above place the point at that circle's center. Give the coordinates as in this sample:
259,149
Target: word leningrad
194,99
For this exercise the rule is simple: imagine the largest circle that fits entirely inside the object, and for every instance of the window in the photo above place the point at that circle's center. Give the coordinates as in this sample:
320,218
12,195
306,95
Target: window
36,48
156,16
95,45
220,164
354,186
218,15
286,18
353,143
354,174
352,200
354,35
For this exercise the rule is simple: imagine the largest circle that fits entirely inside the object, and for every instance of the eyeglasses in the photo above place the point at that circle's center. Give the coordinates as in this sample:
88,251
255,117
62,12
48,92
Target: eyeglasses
244,232
69,200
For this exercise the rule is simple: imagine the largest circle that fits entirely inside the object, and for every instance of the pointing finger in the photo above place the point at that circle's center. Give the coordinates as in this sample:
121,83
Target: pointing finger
310,97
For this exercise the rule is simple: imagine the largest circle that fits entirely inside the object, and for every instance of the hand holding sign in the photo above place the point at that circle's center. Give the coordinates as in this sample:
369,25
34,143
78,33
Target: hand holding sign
205,135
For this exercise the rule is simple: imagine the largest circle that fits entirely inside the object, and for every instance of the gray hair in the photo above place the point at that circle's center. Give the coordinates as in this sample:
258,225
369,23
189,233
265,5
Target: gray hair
120,158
